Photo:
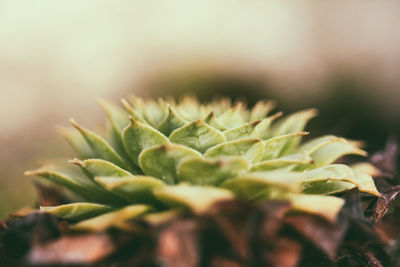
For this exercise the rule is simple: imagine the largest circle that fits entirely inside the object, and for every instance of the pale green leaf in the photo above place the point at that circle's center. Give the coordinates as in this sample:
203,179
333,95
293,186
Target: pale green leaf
365,168
138,136
250,149
72,178
213,121
285,161
77,141
197,135
275,146
100,167
132,111
263,128
232,117
162,161
135,189
211,171
77,211
261,109
172,121
247,130
197,198
100,147
327,187
115,219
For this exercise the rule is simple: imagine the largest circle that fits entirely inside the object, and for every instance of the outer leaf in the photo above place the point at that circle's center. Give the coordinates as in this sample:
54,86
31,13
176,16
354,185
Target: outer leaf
261,110
327,187
77,141
257,184
292,124
247,130
135,189
329,151
232,117
274,147
263,129
197,135
171,122
116,219
118,120
250,149
77,211
99,167
100,147
72,178
325,206
133,111
197,198
211,171
214,122
138,136
289,160
162,161
365,168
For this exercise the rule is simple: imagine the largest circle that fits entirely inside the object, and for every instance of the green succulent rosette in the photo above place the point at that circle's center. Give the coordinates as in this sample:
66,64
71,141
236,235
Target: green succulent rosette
167,155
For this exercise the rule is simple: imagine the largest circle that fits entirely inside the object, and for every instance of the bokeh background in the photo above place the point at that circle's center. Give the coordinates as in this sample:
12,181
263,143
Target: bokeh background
58,57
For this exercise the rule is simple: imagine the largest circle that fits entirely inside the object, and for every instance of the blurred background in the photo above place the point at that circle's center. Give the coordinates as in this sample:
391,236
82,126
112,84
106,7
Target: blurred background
58,57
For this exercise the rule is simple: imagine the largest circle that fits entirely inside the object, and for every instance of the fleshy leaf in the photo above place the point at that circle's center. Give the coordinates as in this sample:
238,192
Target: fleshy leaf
77,211
100,147
285,161
254,185
213,121
247,130
263,128
135,189
138,136
197,135
162,161
330,150
327,187
211,171
99,167
77,141
189,108
172,121
274,147
133,111
197,198
118,120
72,178
294,123
261,110
250,149
118,219
365,168
232,117
325,206
153,113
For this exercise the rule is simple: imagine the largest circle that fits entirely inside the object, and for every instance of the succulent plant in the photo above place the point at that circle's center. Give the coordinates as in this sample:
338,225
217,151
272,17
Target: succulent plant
167,155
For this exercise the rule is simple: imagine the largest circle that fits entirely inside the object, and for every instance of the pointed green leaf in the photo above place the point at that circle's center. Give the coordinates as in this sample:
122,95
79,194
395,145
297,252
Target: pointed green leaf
285,161
172,121
247,130
214,122
232,117
99,167
100,147
263,129
153,113
274,147
162,161
135,189
197,198
365,168
189,108
197,135
72,178
117,219
253,185
325,206
366,184
250,149
327,187
211,171
133,112
138,136
261,109
77,211
292,124
77,141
